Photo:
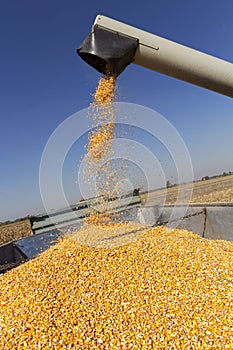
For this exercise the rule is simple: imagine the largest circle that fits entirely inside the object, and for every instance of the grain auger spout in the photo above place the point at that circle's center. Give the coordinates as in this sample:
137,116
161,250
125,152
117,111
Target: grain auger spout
113,45
107,51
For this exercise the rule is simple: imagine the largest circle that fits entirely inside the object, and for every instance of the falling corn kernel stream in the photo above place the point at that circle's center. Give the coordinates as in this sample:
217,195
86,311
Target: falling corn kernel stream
99,151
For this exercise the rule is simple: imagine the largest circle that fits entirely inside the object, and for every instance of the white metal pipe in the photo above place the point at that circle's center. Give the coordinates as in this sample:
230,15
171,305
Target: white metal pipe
175,60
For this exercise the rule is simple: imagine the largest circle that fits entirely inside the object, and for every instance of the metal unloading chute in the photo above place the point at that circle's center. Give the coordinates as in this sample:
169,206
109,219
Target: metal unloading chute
108,52
113,45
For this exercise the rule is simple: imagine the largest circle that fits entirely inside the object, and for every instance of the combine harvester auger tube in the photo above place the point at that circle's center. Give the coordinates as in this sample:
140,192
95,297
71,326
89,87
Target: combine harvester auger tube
112,46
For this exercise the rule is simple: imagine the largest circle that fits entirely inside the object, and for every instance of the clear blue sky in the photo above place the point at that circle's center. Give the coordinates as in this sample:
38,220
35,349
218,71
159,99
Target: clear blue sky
43,81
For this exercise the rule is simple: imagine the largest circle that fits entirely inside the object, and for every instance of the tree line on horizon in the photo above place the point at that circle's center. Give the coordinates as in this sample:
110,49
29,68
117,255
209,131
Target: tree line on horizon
215,176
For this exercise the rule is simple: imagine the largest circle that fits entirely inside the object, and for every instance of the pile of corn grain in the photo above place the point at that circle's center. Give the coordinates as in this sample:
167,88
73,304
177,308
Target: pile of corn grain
167,290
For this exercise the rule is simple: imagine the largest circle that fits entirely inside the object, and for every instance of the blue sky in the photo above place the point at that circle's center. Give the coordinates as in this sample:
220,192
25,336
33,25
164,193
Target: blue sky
43,82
